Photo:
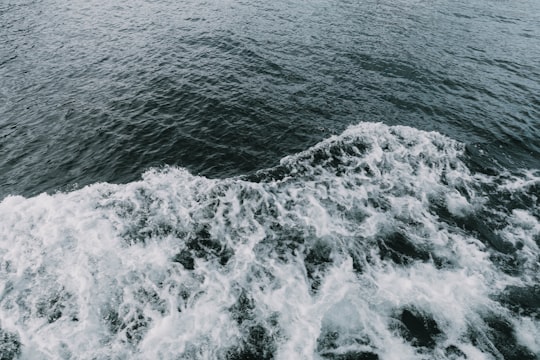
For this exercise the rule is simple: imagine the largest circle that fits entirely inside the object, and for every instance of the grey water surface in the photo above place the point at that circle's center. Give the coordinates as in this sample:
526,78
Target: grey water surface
101,91
289,179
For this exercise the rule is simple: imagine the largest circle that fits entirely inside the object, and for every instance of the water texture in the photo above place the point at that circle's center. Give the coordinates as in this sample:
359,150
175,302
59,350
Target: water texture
378,243
102,90
285,180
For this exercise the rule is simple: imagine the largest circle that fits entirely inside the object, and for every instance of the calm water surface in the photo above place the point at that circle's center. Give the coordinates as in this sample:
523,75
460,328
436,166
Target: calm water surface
101,91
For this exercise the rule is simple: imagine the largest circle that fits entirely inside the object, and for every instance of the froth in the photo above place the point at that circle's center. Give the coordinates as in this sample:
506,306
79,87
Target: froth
378,243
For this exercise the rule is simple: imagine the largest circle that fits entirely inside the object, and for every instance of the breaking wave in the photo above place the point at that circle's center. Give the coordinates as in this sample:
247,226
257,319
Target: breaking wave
380,243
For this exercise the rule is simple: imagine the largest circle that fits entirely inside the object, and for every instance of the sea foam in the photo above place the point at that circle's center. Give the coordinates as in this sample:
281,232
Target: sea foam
379,243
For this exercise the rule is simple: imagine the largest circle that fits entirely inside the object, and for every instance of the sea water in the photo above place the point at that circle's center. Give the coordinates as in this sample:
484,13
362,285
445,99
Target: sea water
254,180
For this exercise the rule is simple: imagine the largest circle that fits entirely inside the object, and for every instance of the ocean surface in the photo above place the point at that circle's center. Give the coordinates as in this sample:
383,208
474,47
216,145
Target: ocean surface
289,179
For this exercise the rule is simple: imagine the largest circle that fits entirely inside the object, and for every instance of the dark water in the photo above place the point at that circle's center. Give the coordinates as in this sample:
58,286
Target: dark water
101,91
270,180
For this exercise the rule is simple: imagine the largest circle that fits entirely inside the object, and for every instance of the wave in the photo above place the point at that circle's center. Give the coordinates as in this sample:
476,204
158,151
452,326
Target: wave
380,243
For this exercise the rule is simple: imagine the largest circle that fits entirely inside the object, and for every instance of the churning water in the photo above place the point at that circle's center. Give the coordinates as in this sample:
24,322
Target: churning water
285,180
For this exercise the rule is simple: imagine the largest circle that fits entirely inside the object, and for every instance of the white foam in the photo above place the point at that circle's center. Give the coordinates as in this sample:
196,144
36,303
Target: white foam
457,204
105,271
527,330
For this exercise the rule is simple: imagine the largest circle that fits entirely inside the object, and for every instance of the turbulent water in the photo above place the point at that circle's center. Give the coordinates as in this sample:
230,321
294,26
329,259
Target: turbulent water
252,180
